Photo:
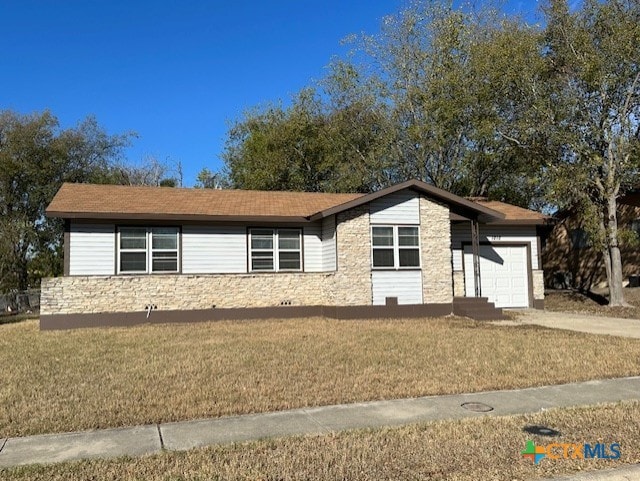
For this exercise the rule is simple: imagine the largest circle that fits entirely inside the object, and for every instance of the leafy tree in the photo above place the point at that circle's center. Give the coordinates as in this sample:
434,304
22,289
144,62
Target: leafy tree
458,82
277,149
510,98
357,133
36,157
421,55
207,179
169,182
440,94
305,147
594,73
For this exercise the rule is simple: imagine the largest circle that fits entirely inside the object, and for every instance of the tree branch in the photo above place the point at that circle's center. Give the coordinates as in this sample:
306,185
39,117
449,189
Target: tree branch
511,139
630,93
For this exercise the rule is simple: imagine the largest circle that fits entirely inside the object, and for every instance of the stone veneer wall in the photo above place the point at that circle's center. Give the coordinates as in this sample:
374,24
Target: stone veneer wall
458,284
538,284
351,285
435,241
92,294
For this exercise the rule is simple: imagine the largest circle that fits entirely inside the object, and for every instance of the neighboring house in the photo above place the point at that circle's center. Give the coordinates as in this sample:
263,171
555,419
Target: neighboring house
569,260
188,254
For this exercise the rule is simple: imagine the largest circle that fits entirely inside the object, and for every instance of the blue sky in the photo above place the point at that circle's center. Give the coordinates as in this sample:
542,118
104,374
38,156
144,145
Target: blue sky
175,72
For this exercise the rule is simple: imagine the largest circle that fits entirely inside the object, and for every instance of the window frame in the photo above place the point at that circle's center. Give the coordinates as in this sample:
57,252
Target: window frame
251,250
396,247
275,249
148,250
120,250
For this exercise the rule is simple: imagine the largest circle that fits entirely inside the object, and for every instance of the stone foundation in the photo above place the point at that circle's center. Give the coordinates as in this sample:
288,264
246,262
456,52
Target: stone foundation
95,294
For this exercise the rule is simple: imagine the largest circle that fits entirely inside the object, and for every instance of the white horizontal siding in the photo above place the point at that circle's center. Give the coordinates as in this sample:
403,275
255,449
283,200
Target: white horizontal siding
461,233
398,208
92,249
214,249
405,285
313,248
329,244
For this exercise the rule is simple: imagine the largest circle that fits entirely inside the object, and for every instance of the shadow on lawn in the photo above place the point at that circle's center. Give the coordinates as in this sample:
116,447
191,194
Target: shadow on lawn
595,297
541,431
15,318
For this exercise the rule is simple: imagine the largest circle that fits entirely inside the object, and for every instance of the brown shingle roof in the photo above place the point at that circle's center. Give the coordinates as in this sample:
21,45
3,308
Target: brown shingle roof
512,212
90,201
119,202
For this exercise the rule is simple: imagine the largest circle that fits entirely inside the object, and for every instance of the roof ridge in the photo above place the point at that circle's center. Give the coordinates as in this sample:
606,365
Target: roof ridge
198,189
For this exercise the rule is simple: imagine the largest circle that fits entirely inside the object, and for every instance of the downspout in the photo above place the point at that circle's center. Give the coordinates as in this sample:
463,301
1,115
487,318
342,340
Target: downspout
475,249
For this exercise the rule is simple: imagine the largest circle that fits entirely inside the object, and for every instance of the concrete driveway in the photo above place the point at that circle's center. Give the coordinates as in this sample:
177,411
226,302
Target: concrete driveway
612,326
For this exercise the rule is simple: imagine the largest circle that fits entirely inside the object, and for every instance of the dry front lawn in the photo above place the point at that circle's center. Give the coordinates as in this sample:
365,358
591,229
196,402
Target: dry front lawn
486,448
57,381
564,301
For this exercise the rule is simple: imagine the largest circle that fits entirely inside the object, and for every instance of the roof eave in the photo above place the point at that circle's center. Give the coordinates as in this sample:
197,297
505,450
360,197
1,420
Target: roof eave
521,222
119,216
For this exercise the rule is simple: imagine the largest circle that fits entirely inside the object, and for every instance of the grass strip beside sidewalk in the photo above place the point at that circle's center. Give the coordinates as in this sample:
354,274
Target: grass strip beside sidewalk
467,450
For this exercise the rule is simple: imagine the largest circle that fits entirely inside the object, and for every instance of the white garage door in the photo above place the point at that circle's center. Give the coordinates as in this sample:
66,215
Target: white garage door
503,275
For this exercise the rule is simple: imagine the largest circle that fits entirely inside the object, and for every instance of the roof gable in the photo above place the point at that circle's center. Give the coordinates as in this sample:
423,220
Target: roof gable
456,203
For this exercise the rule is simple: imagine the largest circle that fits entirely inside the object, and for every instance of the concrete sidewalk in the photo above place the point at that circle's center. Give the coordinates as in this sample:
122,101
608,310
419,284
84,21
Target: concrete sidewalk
613,326
140,440
626,473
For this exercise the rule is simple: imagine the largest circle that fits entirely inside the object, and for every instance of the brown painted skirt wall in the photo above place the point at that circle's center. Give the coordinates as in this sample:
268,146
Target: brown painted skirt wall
121,319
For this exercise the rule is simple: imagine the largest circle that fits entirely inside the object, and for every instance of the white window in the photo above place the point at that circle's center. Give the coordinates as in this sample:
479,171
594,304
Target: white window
275,250
395,247
143,250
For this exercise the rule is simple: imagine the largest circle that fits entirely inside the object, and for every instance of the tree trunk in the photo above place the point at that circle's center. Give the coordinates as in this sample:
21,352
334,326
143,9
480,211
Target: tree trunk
606,256
616,292
22,271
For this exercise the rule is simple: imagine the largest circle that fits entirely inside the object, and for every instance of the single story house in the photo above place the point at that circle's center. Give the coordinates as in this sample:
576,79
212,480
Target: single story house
156,254
570,261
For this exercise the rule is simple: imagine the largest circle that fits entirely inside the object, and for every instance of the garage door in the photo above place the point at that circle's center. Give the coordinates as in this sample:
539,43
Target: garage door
503,275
